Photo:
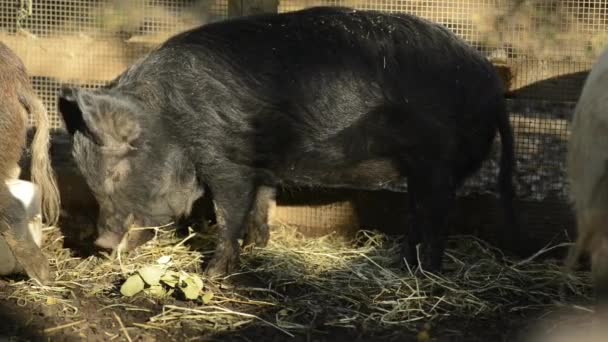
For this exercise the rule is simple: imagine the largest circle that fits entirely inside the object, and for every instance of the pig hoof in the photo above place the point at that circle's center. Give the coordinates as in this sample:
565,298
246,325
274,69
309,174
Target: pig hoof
408,254
429,262
223,262
108,240
257,236
219,267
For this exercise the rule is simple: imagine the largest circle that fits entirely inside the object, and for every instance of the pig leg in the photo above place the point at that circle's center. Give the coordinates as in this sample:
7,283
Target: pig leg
13,228
599,269
199,217
413,237
433,195
258,232
435,234
12,211
233,198
593,239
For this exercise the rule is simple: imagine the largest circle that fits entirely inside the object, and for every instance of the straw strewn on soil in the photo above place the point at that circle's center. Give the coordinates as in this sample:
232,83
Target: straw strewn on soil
296,281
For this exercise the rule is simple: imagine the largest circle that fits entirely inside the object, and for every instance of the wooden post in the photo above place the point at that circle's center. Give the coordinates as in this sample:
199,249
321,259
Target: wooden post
237,8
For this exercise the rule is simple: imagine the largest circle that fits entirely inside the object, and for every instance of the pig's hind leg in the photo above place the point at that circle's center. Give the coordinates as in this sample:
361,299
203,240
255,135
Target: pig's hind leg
258,232
431,194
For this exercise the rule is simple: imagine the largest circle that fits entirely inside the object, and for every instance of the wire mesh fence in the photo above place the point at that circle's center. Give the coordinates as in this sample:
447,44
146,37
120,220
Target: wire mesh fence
546,46
89,42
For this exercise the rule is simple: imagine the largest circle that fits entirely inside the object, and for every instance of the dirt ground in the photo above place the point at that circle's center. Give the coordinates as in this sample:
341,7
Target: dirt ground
28,324
95,323
108,316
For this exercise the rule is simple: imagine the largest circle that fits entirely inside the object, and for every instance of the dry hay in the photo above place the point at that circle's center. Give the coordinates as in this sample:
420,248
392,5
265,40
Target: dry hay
299,280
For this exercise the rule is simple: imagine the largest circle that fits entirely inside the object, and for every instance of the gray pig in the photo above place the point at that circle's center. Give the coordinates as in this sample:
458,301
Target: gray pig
587,164
323,97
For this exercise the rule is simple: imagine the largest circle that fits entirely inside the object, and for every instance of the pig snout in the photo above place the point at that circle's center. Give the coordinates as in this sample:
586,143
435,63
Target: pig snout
109,239
112,231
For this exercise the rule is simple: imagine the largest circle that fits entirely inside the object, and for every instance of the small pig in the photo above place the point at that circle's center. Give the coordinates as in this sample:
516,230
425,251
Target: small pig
588,175
322,97
19,100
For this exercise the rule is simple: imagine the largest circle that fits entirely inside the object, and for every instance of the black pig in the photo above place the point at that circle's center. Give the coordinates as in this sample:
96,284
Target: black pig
329,97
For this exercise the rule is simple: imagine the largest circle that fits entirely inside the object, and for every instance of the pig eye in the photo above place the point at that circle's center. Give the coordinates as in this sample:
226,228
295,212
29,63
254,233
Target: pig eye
136,143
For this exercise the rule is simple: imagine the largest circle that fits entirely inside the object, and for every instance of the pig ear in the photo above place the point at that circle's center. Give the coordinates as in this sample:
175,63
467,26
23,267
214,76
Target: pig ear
107,119
72,114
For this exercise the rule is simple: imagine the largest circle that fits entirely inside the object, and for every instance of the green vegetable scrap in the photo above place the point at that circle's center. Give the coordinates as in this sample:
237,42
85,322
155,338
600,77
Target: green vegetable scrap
159,282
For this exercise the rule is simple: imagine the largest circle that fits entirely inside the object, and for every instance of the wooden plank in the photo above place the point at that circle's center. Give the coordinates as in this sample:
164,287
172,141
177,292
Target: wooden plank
67,58
557,110
547,80
81,57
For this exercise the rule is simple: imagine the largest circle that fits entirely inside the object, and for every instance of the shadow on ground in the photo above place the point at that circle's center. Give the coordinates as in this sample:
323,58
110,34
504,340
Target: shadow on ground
19,323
